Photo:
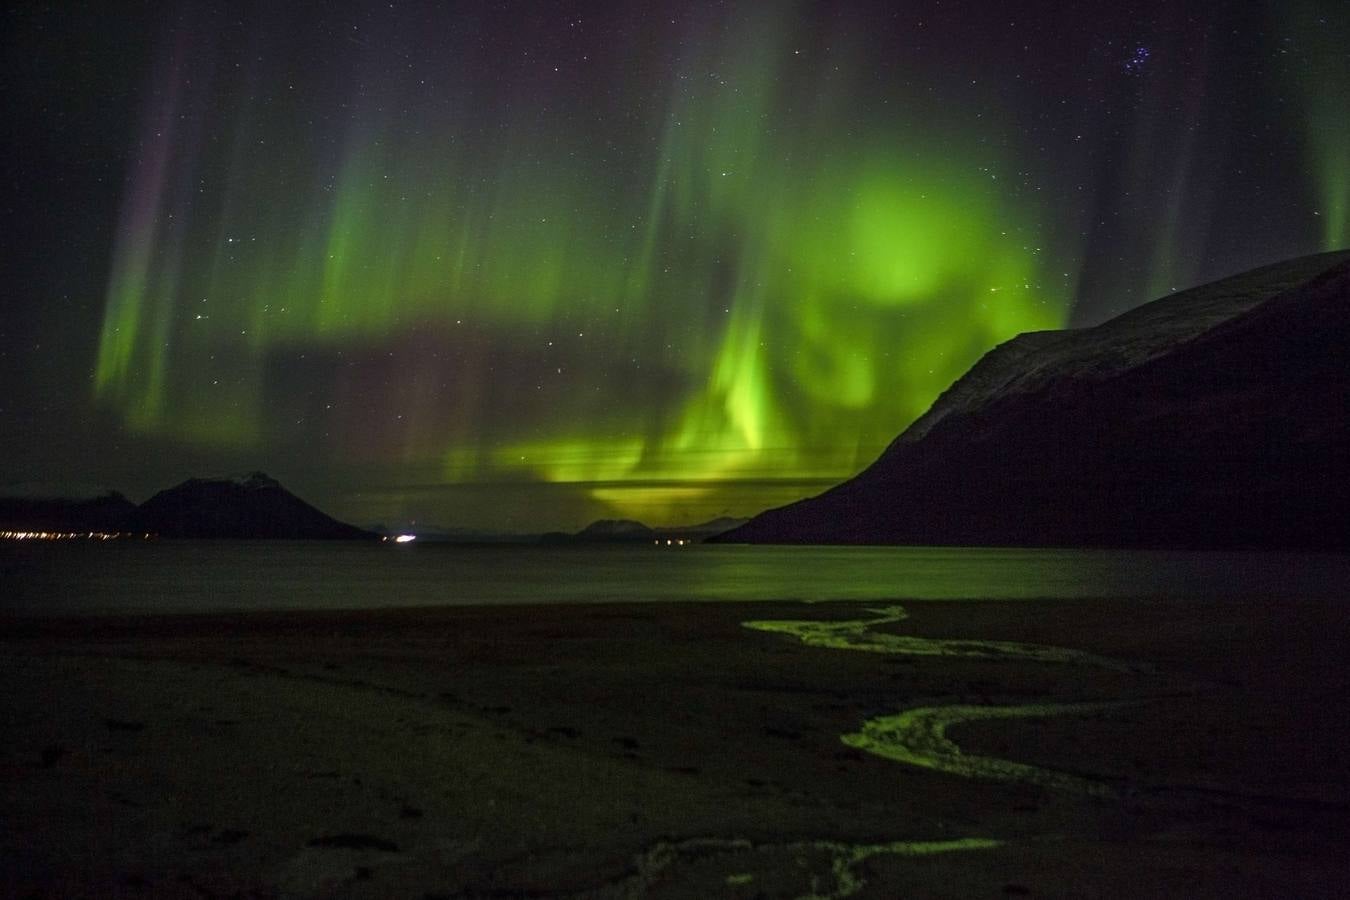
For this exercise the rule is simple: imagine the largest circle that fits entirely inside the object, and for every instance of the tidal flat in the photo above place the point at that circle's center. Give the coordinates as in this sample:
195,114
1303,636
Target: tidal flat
1102,747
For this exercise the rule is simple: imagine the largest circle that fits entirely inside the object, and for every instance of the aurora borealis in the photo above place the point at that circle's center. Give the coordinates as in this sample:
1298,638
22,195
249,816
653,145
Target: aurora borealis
521,266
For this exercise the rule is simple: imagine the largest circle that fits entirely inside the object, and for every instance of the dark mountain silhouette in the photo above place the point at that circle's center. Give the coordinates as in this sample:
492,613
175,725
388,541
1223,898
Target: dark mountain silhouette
1216,417
253,506
616,530
712,526
604,531
105,513
629,531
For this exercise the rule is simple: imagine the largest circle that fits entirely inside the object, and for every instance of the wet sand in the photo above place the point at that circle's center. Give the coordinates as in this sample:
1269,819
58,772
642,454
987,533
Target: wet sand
1047,748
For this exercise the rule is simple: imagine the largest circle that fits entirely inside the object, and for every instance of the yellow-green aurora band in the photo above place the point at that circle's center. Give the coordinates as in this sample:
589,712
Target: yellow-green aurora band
750,246
800,277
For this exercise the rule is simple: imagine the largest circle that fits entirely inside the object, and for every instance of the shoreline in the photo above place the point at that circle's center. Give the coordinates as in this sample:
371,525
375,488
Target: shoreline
573,748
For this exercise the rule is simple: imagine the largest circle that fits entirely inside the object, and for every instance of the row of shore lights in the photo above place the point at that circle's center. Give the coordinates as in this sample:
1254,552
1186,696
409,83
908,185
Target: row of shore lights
69,535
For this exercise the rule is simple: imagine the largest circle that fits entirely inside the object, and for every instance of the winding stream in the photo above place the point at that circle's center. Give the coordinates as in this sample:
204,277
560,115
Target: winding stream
918,736
857,634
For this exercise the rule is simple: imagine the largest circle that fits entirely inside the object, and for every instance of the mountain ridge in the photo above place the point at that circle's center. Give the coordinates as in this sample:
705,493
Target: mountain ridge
1205,419
614,531
253,506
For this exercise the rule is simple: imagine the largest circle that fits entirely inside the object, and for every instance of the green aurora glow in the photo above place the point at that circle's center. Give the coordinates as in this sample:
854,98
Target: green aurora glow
733,254
1321,75
807,297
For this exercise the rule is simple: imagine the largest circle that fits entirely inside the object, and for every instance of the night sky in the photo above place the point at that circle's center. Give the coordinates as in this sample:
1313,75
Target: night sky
524,265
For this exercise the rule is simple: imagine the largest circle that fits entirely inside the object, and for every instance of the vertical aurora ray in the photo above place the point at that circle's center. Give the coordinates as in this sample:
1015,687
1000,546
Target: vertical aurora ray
1319,69
130,366
1170,267
1330,143
483,295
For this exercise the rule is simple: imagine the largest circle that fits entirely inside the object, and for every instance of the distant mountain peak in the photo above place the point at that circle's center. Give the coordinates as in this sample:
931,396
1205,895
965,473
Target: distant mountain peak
612,527
252,505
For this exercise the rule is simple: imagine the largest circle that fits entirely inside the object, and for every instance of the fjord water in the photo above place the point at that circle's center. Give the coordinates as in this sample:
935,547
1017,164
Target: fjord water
198,576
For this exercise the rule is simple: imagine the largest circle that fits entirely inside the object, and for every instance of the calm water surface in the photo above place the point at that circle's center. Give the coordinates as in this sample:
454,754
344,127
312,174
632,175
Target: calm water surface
188,576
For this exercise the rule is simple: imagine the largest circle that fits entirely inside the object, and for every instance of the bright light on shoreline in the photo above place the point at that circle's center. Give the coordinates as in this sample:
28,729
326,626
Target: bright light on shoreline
405,539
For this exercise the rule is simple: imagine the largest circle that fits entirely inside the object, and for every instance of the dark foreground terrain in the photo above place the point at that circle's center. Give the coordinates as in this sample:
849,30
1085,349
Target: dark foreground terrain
670,751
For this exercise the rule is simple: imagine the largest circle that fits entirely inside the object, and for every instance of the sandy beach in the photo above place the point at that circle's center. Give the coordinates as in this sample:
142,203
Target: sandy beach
945,749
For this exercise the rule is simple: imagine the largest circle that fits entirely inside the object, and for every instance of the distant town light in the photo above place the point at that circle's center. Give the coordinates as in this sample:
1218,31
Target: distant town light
405,539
